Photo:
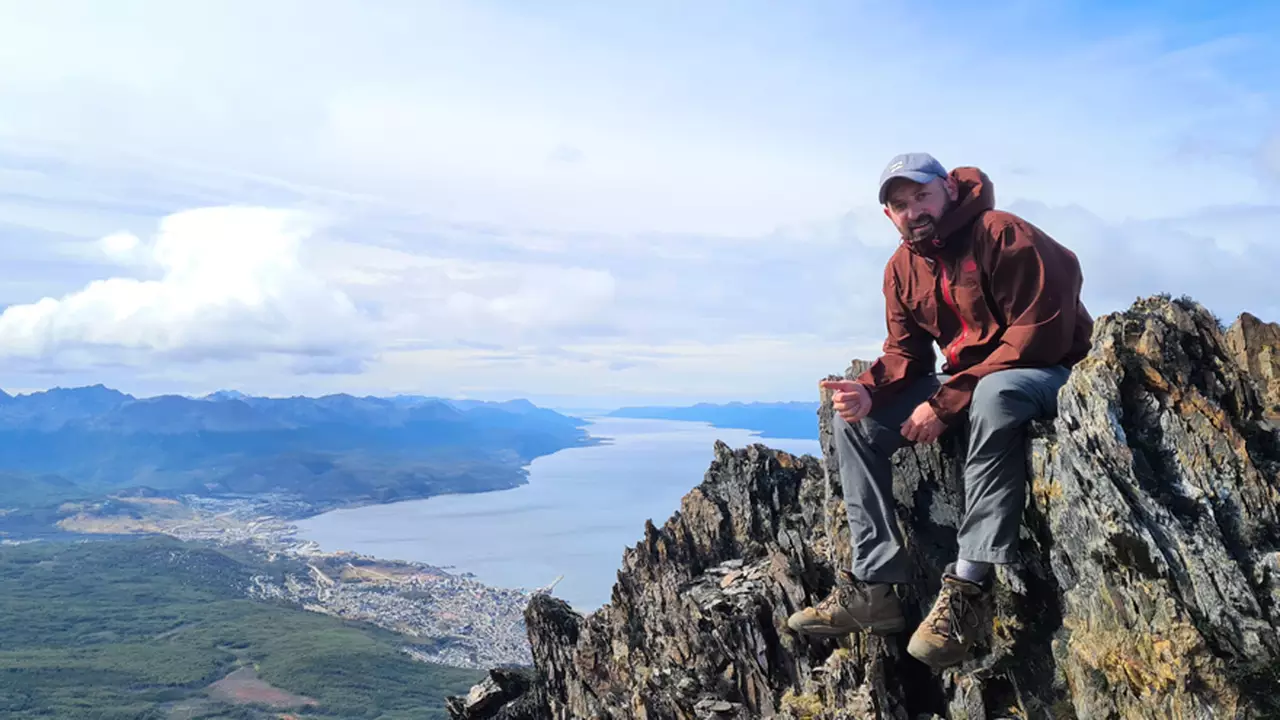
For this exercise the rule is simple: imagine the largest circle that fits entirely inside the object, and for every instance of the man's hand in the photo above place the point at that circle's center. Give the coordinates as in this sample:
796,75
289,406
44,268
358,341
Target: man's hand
851,400
923,426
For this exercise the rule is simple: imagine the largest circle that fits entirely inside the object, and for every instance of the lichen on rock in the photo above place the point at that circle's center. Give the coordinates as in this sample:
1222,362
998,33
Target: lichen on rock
1147,586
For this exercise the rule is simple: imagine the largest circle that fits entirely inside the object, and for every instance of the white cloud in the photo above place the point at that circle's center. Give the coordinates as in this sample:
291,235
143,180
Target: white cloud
788,120
558,298
121,246
230,285
434,295
1221,257
609,317
532,198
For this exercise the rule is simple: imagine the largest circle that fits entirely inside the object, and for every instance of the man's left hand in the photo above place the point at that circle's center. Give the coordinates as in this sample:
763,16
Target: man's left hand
923,426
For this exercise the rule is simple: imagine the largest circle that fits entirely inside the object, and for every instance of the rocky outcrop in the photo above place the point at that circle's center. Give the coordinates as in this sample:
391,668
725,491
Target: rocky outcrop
1256,346
1148,584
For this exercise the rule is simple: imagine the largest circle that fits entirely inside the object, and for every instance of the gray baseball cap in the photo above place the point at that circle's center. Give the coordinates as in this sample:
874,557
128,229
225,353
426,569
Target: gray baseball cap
917,167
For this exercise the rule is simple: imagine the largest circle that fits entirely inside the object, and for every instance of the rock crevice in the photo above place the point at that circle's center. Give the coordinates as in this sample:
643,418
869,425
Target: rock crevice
1147,583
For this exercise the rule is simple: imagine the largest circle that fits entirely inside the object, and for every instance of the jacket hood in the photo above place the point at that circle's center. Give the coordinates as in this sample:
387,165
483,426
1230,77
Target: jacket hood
975,195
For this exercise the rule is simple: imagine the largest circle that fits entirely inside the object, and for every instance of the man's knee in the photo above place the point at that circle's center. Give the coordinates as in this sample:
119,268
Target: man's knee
1000,400
861,434
1015,397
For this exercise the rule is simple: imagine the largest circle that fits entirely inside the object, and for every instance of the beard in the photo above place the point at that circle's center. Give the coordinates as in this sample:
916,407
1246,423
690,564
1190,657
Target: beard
923,229
921,234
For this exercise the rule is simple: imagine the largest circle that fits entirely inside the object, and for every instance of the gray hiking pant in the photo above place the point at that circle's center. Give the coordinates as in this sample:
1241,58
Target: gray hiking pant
995,471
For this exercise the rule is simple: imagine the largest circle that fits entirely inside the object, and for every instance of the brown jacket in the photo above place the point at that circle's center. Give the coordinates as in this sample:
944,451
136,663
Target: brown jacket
999,294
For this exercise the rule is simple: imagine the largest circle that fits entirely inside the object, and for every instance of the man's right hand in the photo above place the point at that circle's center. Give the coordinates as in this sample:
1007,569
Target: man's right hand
851,400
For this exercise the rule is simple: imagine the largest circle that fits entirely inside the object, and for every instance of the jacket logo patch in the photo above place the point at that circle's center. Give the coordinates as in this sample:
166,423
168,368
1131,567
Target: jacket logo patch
969,265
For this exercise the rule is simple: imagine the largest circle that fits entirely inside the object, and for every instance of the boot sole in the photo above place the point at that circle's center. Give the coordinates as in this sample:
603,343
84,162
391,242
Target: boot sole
885,627
921,651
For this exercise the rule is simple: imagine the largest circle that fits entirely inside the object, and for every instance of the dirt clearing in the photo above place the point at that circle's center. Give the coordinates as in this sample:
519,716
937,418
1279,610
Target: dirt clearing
243,687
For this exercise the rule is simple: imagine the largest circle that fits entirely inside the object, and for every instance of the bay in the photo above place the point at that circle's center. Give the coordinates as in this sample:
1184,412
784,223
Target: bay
580,509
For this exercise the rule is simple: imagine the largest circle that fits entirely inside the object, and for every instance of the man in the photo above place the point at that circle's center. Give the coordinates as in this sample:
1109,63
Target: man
1002,301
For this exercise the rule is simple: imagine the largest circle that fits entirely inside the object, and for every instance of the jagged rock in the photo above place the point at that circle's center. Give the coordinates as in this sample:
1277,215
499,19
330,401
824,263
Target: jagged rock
1256,346
1148,583
504,695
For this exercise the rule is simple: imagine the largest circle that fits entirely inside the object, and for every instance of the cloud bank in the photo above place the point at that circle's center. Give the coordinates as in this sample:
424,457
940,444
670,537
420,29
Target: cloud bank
227,283
622,203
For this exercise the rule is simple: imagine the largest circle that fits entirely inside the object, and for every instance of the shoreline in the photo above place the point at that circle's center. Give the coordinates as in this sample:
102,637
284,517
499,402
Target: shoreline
465,621
524,539
444,616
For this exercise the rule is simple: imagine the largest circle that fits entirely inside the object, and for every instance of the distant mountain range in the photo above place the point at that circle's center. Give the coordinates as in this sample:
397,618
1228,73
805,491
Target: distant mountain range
78,443
771,420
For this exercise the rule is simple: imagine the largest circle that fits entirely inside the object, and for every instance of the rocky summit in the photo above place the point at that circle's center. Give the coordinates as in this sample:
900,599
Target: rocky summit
1148,584
1256,345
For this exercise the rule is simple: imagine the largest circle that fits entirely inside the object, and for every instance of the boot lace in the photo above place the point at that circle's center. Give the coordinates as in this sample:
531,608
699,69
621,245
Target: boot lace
847,590
952,614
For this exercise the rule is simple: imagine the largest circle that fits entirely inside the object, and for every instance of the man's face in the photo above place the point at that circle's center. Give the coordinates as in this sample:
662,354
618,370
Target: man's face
915,209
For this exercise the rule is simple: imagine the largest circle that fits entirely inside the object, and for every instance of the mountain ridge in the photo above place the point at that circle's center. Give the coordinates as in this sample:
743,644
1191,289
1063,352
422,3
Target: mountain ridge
64,404
328,451
1147,583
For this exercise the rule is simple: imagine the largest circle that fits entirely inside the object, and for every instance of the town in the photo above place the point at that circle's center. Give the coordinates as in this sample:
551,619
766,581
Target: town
445,618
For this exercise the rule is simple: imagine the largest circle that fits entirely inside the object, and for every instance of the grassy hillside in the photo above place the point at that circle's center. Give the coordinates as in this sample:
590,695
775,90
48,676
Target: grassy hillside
143,628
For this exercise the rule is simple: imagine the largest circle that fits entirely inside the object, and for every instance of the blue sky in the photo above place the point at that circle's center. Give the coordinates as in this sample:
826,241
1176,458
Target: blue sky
587,203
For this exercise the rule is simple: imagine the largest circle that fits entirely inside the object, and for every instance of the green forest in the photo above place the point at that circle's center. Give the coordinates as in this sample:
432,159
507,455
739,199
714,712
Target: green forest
141,628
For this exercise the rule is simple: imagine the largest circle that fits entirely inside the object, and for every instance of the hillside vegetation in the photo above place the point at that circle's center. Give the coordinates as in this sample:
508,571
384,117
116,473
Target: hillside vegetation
142,628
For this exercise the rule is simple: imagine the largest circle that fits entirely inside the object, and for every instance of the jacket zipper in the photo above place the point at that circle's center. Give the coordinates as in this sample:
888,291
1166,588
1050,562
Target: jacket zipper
949,351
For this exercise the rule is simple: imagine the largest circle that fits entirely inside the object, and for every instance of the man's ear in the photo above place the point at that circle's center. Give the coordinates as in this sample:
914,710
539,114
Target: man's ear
887,213
953,190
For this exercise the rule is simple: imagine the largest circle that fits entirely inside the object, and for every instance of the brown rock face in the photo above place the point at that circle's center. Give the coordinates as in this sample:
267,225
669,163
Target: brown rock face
1256,346
1148,584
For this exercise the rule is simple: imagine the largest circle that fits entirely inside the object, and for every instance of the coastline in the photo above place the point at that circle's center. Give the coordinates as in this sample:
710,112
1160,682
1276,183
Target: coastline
577,517
446,616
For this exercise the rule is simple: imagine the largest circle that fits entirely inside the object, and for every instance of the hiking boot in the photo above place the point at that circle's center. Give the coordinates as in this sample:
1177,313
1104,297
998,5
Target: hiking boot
852,605
945,637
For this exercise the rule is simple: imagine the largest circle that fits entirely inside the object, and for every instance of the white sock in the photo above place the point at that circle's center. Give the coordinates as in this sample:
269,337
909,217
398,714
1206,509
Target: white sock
974,572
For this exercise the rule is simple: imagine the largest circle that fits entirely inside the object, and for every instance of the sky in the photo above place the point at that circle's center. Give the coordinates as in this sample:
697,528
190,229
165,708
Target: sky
587,204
